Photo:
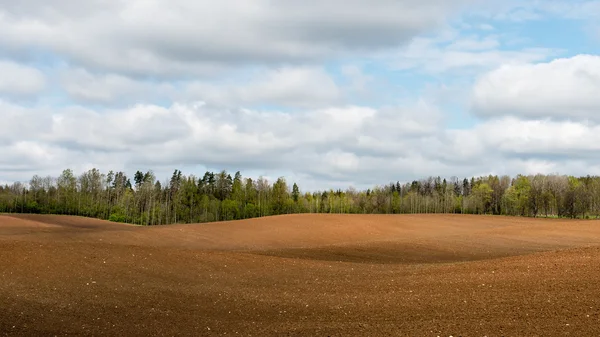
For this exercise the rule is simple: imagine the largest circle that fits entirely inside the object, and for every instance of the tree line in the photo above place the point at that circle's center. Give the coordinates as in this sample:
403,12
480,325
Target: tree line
218,196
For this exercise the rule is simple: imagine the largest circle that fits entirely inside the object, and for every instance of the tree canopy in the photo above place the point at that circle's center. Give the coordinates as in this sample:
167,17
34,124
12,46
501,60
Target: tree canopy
219,196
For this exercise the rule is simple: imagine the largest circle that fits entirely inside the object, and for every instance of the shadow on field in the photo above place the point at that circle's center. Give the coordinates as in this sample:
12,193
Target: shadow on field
398,253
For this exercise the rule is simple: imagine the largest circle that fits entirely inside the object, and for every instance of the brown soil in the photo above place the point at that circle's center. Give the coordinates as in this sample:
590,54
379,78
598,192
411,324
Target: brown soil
302,275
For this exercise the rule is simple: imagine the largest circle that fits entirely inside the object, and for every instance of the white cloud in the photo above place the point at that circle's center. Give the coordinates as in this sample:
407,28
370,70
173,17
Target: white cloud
283,88
532,10
474,43
27,153
185,37
299,86
343,146
358,79
580,9
511,137
86,87
512,146
337,143
504,146
17,79
288,86
18,122
115,130
564,89
466,55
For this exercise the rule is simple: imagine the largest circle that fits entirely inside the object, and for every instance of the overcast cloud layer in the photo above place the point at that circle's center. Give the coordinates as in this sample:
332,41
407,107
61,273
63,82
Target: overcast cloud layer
327,93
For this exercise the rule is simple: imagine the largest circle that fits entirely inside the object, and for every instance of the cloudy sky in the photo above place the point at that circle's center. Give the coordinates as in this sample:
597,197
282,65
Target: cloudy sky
328,93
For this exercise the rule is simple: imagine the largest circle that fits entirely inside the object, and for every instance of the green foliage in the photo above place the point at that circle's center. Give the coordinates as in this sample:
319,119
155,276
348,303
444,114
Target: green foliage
295,192
519,195
250,211
218,196
280,197
117,217
483,195
229,210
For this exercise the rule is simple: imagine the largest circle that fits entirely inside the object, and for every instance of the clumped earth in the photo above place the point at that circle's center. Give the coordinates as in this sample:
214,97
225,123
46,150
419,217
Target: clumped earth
301,275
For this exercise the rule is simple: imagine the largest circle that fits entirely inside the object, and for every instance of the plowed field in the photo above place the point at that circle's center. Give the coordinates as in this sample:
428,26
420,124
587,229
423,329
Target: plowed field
301,275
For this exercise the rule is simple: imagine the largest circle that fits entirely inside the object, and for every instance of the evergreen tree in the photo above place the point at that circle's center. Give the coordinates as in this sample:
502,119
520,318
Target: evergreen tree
295,192
187,199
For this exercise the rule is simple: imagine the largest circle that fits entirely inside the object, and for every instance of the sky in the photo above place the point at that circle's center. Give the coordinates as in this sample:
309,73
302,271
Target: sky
328,94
